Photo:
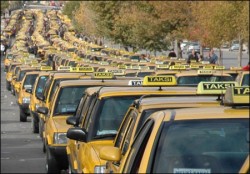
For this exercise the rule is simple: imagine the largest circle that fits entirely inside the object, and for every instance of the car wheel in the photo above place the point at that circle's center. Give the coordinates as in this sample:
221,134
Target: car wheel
51,163
40,127
34,125
8,85
23,116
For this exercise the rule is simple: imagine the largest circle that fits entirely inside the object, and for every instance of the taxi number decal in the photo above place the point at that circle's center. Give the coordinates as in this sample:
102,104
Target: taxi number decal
241,91
209,86
160,79
191,170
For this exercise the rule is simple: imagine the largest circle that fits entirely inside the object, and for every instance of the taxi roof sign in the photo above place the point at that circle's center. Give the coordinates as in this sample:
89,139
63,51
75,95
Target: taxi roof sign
63,68
163,66
116,71
82,69
219,67
135,82
214,88
237,96
194,66
46,68
208,67
177,67
122,66
205,72
167,80
103,75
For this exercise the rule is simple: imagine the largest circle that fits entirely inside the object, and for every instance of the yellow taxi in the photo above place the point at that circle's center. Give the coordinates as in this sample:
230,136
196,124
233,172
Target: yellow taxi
142,108
243,78
190,140
193,77
23,99
46,96
19,77
65,100
7,60
9,73
34,92
245,166
100,124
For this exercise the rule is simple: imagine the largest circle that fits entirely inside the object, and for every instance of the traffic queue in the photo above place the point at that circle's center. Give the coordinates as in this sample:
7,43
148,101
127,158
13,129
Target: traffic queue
103,110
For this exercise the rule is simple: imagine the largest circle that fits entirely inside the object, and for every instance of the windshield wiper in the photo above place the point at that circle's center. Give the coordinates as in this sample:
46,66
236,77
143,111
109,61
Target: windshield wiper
104,136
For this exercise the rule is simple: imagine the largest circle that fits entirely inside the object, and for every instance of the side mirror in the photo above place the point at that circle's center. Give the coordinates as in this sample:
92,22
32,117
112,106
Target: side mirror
71,120
43,110
28,90
39,96
14,77
110,153
77,134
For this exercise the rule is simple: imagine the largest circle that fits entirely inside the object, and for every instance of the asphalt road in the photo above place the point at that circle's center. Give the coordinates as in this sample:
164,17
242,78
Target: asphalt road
21,150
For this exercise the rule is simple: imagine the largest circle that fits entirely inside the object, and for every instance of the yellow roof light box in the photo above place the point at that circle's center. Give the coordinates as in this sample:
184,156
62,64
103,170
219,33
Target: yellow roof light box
46,68
135,82
159,81
103,75
82,69
214,88
177,67
63,68
236,96
204,72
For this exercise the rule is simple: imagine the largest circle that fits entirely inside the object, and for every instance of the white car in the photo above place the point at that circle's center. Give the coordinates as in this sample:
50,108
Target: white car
234,47
193,46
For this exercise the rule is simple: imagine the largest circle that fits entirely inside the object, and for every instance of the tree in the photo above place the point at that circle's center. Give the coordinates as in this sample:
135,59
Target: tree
4,6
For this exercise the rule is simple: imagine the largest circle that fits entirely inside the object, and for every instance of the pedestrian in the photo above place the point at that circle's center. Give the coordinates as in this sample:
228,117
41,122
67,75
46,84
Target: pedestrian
172,53
2,49
206,58
192,57
5,48
247,67
213,57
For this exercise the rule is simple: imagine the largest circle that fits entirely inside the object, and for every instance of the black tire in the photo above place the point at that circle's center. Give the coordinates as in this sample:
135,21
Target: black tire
44,146
51,163
40,127
23,116
8,85
35,127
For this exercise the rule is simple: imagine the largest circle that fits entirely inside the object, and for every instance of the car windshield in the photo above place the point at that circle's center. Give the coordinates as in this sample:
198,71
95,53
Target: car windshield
221,78
245,81
56,82
95,49
143,74
29,81
68,99
111,113
20,76
208,146
41,84
9,56
193,80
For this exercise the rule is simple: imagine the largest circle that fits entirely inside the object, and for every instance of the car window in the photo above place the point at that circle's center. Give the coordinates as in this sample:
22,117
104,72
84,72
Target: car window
202,146
245,80
110,114
29,81
68,99
133,161
123,128
40,85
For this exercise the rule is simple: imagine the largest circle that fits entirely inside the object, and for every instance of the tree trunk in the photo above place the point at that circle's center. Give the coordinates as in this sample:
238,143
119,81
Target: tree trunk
220,57
240,52
179,52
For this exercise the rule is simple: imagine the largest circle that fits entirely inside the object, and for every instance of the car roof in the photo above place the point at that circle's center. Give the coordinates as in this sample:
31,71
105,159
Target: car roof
124,91
219,112
175,101
32,72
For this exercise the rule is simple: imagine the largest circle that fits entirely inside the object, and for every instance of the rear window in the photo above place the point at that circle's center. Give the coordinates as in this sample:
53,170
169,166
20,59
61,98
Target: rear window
192,80
207,146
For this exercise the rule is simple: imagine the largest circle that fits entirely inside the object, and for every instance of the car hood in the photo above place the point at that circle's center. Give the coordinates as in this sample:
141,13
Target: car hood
60,123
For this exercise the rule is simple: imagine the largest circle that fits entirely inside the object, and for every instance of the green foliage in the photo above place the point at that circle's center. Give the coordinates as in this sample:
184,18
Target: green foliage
70,8
4,5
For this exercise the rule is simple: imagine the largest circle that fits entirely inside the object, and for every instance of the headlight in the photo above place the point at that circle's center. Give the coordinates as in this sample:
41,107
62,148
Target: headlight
9,79
26,100
60,138
99,169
